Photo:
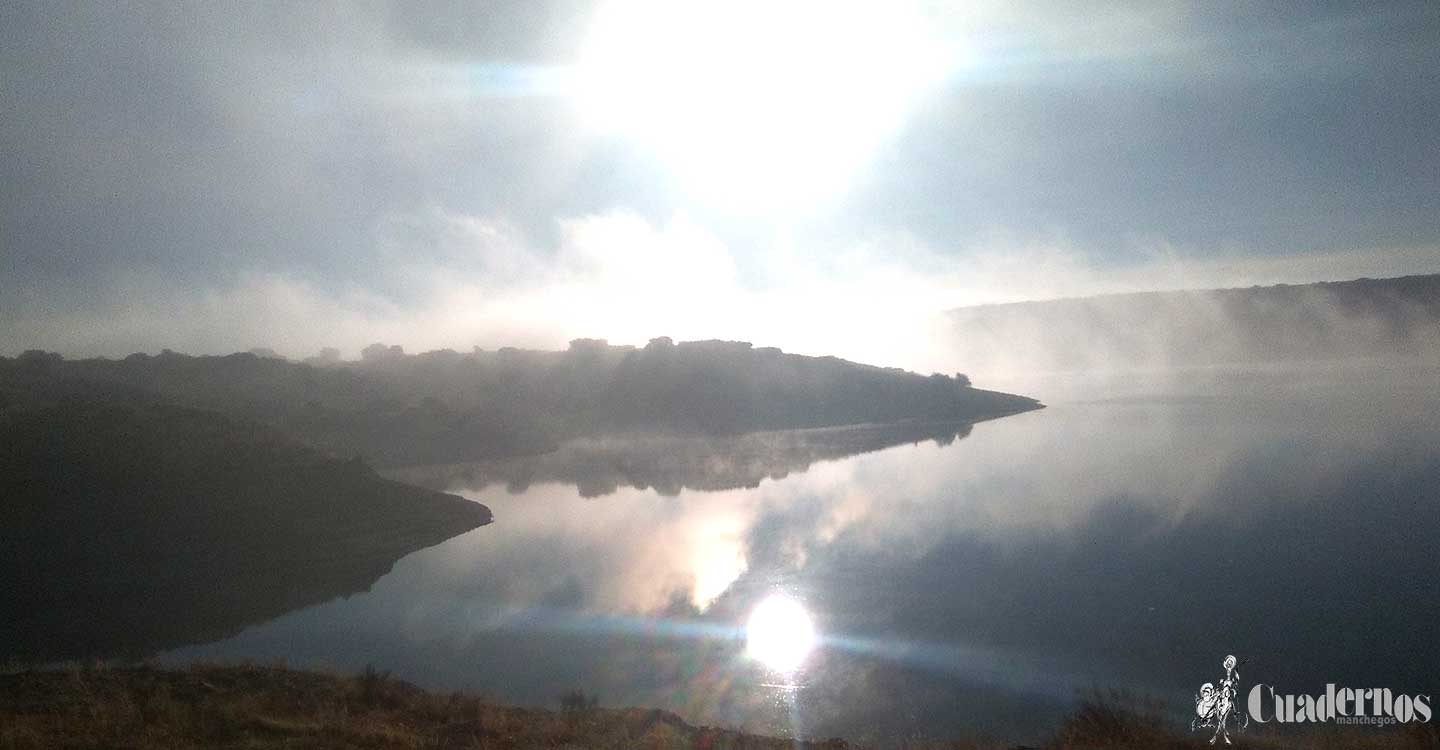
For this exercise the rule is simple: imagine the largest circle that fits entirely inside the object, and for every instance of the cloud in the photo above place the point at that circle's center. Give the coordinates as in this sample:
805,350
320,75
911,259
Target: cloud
467,280
202,177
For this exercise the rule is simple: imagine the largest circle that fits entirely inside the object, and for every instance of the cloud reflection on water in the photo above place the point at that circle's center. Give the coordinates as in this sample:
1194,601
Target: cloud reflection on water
955,588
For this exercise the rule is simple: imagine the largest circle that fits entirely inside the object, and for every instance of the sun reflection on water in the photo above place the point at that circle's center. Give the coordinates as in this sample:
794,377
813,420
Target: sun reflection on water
779,633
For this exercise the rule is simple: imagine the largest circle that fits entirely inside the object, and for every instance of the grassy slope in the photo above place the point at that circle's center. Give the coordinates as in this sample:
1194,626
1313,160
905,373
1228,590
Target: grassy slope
257,707
266,707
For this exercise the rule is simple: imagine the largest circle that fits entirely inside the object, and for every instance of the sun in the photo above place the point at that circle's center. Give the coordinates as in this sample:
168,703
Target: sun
757,104
779,633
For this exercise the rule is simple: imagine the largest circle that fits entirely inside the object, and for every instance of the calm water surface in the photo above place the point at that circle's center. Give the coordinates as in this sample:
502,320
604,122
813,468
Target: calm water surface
1128,536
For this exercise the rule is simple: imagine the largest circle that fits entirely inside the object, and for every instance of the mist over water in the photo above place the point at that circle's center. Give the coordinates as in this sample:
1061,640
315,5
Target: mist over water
1395,320
1128,536
883,369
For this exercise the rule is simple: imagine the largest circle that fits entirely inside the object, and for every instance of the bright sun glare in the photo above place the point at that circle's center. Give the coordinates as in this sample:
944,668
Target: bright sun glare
757,104
779,634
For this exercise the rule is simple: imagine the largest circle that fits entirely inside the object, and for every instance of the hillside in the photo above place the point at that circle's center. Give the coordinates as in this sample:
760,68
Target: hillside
1388,319
444,407
133,525
260,707
156,501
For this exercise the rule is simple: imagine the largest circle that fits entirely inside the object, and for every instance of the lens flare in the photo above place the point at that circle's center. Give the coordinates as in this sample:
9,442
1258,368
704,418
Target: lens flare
779,633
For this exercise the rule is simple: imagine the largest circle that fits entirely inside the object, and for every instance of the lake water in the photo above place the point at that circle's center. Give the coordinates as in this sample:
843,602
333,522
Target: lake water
1128,536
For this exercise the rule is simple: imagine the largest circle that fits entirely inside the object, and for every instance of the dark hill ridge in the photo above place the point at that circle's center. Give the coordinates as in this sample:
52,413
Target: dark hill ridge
133,525
1389,319
156,501
444,406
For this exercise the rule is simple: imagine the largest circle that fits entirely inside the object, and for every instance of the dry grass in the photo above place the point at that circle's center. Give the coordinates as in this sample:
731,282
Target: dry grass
271,707
267,708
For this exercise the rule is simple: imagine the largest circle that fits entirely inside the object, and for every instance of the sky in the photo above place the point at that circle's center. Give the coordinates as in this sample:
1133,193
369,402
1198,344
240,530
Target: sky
822,176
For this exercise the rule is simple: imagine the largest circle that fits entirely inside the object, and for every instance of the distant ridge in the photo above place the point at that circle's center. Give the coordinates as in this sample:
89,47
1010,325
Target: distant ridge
393,408
1389,319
